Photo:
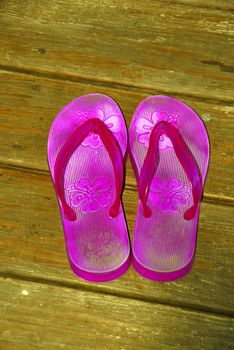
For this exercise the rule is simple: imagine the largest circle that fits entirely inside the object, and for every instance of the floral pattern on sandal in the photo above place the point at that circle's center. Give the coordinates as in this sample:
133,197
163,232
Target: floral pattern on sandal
169,196
113,122
144,126
90,196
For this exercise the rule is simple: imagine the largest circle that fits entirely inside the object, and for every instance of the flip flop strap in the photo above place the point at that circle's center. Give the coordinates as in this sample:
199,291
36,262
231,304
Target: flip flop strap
185,158
74,140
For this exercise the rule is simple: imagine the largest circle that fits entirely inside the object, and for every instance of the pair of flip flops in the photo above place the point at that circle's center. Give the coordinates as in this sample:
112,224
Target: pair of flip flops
169,150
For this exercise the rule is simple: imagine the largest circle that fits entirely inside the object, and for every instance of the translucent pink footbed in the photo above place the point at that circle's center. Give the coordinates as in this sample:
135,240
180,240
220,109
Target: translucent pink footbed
164,243
97,243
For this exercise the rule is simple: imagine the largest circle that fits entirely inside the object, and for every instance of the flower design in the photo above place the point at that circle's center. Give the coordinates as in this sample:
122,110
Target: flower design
144,127
169,195
90,196
113,122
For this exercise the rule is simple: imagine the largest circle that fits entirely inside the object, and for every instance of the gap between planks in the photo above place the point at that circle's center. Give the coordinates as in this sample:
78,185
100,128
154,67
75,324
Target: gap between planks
76,78
103,322
207,198
125,295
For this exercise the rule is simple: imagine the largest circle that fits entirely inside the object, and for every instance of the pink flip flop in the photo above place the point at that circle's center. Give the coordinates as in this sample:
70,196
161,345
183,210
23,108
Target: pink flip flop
87,149
169,150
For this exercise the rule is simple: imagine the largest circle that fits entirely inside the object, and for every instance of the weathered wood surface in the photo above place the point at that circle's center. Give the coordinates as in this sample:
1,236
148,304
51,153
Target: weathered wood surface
32,244
29,105
39,316
52,52
168,46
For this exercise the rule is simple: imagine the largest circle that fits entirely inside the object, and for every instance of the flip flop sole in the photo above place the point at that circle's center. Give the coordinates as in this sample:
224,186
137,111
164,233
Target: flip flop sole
164,244
97,245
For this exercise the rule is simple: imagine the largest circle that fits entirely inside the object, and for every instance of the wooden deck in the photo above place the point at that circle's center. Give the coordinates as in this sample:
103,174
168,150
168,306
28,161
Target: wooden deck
50,53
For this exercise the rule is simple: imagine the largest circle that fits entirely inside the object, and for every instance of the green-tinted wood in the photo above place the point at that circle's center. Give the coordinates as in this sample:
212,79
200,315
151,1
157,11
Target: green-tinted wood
128,50
32,244
38,316
169,46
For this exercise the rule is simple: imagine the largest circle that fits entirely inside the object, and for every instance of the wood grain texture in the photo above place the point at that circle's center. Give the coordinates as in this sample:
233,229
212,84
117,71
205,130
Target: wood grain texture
29,104
32,245
53,52
173,48
38,316
210,4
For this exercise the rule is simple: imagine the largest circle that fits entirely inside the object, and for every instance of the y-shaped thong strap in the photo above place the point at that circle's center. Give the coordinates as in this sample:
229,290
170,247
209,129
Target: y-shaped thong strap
75,139
185,158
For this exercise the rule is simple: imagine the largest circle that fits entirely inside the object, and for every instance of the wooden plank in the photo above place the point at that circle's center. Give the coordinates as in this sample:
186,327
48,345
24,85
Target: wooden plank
32,245
47,317
29,105
173,48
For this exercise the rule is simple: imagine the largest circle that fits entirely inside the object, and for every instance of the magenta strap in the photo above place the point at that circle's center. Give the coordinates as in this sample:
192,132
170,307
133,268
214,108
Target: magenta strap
73,141
185,158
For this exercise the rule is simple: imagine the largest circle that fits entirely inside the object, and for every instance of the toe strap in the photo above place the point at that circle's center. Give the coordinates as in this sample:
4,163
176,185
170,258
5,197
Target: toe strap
185,158
75,139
